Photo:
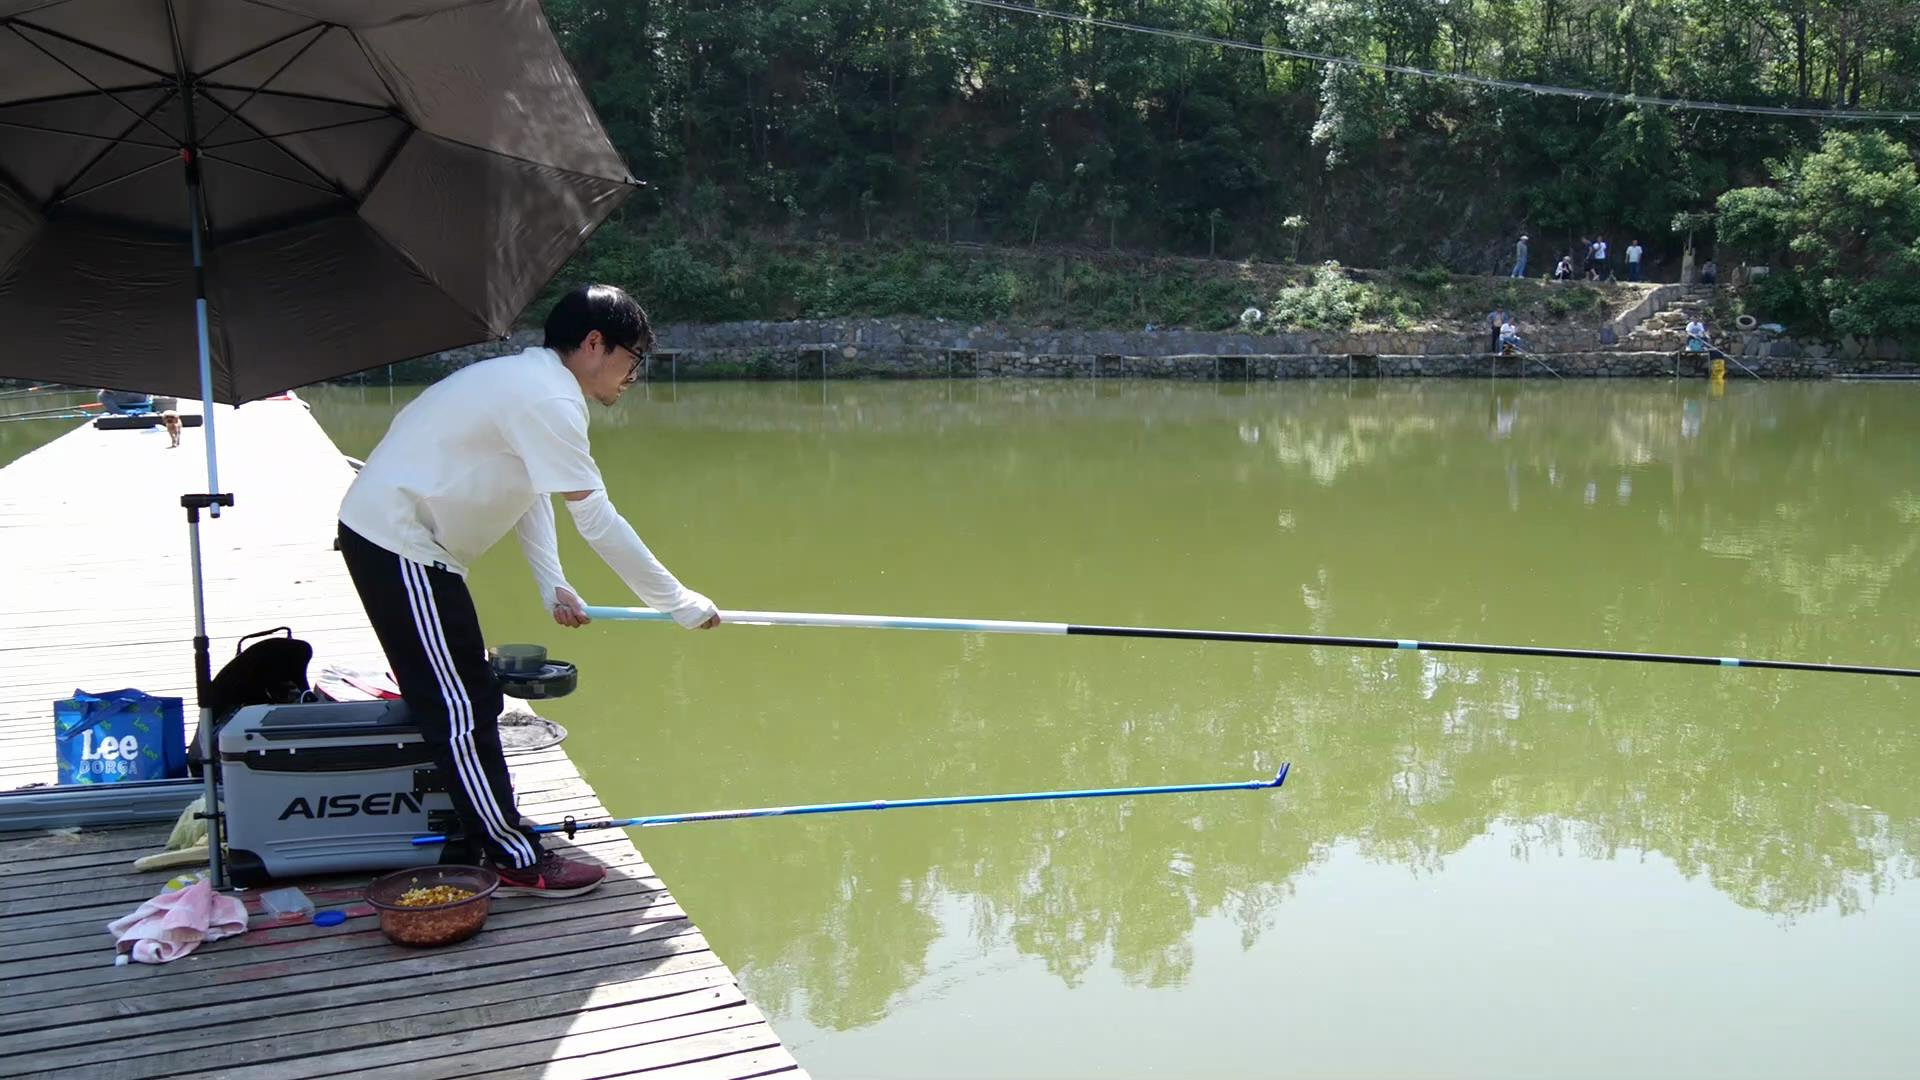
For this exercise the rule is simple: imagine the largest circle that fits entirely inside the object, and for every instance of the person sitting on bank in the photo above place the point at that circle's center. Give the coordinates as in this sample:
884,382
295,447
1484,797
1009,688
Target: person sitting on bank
480,453
1510,338
1697,337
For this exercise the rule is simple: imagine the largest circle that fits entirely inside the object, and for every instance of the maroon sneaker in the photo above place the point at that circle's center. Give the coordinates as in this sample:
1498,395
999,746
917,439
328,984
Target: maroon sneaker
551,876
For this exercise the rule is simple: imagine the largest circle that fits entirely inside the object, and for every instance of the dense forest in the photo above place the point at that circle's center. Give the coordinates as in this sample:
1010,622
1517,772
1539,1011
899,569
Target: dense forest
942,120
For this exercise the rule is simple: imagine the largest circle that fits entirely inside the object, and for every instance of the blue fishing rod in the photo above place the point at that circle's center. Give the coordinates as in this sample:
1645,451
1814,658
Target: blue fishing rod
998,626
571,827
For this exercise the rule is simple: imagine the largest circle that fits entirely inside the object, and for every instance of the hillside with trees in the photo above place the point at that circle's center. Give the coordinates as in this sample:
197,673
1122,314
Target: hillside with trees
891,122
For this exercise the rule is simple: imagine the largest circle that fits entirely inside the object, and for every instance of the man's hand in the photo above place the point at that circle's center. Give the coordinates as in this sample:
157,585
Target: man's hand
568,610
710,623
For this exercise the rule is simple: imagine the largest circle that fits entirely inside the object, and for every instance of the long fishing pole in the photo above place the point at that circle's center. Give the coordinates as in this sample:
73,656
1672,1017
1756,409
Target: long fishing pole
45,409
4,419
1725,355
994,626
570,826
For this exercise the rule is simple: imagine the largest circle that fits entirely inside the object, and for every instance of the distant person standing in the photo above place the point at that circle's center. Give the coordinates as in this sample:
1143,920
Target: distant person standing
1495,319
1634,251
1710,273
1597,260
1520,257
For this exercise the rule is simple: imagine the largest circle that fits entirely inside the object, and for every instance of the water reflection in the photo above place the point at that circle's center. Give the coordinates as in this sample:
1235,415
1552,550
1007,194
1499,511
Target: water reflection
1773,521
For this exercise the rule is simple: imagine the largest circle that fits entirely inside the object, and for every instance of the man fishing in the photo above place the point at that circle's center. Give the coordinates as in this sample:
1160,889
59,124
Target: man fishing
478,454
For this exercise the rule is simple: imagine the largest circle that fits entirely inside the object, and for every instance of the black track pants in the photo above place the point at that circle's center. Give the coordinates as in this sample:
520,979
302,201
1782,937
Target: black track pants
427,626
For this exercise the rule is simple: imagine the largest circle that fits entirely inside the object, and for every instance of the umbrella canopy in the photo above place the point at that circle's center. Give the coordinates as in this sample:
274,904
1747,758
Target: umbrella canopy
371,180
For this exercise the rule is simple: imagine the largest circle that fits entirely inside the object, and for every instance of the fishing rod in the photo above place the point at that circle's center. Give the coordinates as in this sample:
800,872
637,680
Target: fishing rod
1725,355
1529,355
570,826
994,626
47,416
60,409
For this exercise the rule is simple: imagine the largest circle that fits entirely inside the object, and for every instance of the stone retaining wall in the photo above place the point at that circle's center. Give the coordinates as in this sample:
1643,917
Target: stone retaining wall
867,348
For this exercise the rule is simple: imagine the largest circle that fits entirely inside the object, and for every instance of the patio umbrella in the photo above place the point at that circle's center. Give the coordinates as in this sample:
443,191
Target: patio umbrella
228,198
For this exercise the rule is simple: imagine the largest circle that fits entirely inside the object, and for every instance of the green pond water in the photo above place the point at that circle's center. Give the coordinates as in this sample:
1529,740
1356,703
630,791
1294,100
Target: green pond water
1481,866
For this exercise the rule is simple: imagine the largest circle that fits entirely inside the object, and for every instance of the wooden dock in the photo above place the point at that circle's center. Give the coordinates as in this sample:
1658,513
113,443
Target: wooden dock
98,596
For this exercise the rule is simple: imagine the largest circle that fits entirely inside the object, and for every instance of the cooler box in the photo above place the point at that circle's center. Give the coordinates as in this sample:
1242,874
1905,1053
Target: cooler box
329,788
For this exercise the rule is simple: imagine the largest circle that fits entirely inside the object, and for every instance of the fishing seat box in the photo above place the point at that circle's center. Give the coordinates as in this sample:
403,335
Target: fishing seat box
330,788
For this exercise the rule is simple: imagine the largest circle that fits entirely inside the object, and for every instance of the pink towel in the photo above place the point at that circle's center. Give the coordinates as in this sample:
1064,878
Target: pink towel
173,924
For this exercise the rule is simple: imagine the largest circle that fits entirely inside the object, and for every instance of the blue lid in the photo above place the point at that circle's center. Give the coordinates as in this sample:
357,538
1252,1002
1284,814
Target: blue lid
330,918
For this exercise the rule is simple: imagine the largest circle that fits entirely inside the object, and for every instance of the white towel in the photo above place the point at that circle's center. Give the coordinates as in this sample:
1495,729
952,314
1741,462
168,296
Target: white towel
173,924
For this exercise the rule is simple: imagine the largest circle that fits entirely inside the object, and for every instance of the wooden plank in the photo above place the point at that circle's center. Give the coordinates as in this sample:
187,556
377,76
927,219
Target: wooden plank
348,946
365,967
738,1066
105,905
317,1010
635,1031
605,847
374,1025
638,898
24,850
291,995
599,1055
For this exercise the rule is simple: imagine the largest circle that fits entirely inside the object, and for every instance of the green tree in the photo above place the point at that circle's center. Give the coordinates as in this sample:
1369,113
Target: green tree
949,113
1841,230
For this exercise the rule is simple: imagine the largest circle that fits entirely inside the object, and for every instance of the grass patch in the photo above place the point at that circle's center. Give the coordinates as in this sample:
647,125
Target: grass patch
682,279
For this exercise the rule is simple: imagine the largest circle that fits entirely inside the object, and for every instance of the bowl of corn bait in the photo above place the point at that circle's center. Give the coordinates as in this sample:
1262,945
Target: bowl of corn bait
433,905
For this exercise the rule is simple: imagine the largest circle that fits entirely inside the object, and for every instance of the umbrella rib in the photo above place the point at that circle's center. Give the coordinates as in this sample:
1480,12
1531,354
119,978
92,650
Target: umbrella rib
628,181
120,140
235,88
375,68
258,49
235,111
277,176
379,173
397,20
75,95
62,199
336,186
60,192
90,47
21,34
433,282
301,131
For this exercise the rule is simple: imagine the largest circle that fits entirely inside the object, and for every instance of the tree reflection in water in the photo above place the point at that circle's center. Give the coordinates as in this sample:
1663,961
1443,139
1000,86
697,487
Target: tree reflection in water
1774,521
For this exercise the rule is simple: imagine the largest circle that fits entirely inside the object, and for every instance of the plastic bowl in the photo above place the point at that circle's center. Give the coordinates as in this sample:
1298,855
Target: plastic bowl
438,924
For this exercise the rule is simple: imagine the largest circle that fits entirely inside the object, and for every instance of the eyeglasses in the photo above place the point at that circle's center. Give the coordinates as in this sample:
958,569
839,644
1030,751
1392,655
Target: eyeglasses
639,359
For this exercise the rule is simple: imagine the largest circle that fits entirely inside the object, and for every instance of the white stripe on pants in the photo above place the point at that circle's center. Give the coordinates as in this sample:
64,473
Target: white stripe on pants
466,757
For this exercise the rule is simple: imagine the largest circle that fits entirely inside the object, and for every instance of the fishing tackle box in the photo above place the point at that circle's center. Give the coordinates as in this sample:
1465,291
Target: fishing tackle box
328,788
344,787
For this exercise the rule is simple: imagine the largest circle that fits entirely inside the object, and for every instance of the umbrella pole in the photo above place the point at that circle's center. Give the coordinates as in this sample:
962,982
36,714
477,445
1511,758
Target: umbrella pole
203,689
211,502
198,227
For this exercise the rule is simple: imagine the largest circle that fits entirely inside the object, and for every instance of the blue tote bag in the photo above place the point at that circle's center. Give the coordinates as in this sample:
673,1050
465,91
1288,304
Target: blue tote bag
119,736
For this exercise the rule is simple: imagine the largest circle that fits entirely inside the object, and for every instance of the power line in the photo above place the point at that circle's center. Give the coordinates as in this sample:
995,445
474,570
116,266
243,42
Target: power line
1443,76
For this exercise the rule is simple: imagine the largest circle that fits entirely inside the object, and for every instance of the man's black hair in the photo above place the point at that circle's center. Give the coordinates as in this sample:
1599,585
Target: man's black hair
605,308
